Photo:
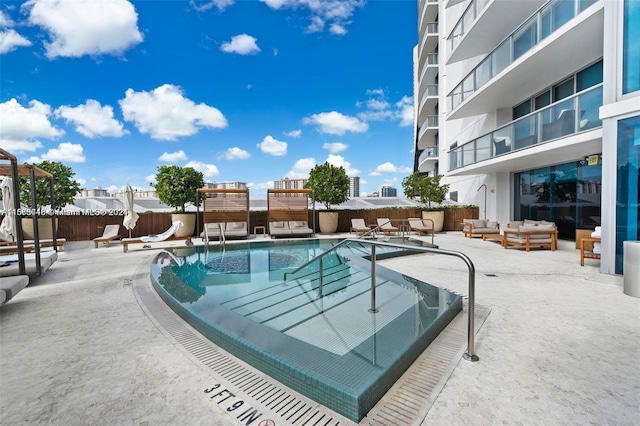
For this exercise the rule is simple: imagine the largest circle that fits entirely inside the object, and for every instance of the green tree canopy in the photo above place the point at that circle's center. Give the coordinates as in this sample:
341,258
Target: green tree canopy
426,188
330,184
65,188
176,186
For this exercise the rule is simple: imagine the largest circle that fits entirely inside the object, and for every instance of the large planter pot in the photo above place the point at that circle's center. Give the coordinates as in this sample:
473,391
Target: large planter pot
188,224
45,228
328,222
437,217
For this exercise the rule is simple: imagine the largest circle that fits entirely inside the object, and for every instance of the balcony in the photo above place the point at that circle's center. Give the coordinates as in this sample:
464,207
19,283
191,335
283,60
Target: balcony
523,60
428,68
428,159
428,130
558,120
428,100
428,11
429,40
474,37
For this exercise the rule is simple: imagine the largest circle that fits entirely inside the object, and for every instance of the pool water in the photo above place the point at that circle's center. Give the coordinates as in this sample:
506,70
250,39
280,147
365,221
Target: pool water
330,348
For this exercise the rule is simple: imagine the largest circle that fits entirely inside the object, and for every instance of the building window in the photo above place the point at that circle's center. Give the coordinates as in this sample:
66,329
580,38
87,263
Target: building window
568,194
628,185
630,51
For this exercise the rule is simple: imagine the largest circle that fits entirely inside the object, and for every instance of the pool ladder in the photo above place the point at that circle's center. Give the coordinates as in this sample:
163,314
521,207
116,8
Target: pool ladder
470,353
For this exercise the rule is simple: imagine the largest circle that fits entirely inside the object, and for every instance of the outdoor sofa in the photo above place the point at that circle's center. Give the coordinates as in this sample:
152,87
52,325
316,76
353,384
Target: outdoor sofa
479,228
531,233
292,228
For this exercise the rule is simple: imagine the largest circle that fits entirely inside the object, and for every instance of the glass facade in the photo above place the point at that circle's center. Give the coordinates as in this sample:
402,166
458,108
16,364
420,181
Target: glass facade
628,185
568,194
631,47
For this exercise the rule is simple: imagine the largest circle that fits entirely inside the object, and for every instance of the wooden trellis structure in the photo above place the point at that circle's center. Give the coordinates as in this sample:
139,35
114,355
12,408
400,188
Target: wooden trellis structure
286,205
224,205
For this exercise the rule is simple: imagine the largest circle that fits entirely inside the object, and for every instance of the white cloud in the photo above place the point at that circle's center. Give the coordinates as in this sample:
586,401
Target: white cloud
92,119
242,44
389,167
204,6
301,168
339,161
405,111
335,123
173,157
337,29
334,12
166,114
272,146
236,153
10,40
208,170
5,20
376,92
151,178
294,133
275,52
21,127
377,104
66,152
81,182
335,147
78,28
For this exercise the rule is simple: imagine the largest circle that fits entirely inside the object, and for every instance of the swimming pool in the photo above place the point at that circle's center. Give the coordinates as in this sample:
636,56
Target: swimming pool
330,348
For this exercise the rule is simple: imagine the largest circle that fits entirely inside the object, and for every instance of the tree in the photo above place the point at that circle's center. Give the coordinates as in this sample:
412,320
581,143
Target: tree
330,184
426,188
65,188
176,186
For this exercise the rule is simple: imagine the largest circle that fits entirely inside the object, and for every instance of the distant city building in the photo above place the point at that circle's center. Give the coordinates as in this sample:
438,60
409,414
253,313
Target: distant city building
388,191
97,192
374,194
354,186
139,193
225,185
287,183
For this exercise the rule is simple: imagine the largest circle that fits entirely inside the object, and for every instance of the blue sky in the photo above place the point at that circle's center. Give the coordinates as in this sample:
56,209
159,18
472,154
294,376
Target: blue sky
250,91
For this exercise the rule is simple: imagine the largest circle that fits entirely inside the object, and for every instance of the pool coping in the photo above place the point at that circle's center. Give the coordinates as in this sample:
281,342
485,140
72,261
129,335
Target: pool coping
408,401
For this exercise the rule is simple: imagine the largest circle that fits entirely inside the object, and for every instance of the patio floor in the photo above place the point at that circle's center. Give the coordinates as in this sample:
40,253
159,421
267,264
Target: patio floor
560,345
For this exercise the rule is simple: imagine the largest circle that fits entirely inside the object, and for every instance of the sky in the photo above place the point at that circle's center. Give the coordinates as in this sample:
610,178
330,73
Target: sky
249,91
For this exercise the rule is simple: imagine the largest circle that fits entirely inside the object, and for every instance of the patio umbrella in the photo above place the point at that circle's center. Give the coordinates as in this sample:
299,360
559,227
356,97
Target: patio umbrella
7,227
130,217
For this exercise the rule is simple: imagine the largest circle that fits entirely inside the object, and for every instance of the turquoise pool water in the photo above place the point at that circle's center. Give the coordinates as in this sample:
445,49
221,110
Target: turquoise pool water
329,348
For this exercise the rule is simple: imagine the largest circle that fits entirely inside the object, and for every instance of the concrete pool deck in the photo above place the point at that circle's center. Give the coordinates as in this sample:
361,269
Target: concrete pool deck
560,346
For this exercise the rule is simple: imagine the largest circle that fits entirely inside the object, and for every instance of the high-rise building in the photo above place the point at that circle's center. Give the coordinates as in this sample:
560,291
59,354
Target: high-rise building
225,185
388,191
514,100
287,183
354,186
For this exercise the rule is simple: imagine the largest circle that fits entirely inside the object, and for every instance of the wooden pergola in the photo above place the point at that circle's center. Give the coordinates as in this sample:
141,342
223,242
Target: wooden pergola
223,205
285,205
16,171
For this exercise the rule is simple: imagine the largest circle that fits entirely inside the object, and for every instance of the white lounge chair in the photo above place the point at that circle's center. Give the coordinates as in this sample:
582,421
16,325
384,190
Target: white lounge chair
385,226
110,233
165,236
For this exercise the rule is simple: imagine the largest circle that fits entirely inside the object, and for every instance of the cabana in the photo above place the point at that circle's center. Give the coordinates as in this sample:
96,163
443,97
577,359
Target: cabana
16,171
228,209
288,212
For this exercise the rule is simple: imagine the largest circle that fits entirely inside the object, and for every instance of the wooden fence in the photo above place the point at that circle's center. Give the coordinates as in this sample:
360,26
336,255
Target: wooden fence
85,227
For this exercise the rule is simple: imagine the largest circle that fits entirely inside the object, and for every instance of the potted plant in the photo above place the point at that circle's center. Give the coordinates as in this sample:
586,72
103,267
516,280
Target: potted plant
330,185
429,192
176,186
65,189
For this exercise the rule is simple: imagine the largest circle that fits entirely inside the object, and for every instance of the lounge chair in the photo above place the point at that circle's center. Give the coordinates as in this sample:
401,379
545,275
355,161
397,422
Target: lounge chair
300,228
416,224
10,286
110,233
384,224
359,227
168,235
479,228
212,231
236,229
279,229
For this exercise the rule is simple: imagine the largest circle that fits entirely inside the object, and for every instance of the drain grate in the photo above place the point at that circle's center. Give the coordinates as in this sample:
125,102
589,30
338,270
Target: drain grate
490,275
407,402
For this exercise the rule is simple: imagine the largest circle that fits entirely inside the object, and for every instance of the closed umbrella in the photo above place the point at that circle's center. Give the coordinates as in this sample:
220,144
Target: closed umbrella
7,227
130,217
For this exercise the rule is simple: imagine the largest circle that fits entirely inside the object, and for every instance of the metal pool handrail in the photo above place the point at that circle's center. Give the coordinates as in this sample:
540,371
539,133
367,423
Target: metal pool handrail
470,354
